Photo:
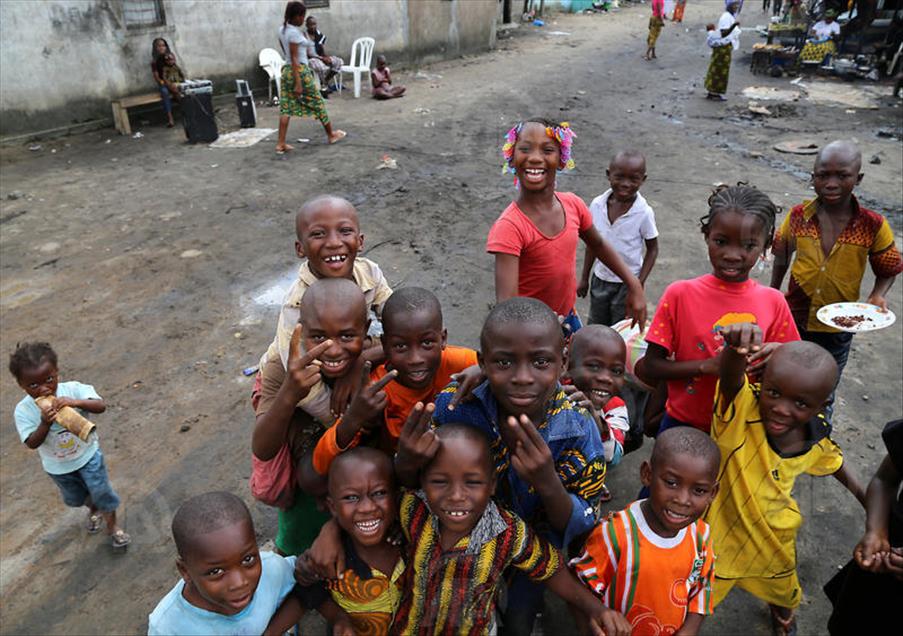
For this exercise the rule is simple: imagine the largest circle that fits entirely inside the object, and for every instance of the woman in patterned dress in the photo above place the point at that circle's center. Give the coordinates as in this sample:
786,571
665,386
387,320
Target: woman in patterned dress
298,94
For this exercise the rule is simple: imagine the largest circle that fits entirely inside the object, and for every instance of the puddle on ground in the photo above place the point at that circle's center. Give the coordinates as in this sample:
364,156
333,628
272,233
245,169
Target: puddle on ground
272,292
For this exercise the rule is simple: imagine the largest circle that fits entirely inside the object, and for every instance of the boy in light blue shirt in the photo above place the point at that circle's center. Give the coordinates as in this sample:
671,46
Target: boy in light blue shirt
228,586
75,465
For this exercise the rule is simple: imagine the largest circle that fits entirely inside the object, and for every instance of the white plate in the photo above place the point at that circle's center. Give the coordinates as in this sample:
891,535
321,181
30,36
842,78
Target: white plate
874,317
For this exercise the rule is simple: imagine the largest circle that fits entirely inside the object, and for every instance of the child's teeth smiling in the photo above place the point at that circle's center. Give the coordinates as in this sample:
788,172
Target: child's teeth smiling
676,515
368,527
338,258
601,393
457,513
332,364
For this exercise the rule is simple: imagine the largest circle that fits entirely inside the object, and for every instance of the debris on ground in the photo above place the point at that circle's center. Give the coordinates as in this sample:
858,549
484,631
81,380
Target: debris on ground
758,109
797,147
771,93
387,162
35,147
138,135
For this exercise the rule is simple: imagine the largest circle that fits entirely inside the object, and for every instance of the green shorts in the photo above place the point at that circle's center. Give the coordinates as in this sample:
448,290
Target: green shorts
299,525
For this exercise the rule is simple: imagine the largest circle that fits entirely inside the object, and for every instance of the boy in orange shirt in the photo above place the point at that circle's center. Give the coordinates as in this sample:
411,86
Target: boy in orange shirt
653,561
420,361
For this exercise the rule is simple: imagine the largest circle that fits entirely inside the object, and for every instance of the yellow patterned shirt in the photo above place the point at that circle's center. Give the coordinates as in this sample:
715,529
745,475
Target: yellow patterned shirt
754,518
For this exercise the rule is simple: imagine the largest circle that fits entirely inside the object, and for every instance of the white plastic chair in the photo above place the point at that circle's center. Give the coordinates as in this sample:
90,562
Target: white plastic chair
361,54
272,63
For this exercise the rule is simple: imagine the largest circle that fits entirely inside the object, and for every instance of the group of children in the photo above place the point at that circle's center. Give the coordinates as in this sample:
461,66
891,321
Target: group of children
428,488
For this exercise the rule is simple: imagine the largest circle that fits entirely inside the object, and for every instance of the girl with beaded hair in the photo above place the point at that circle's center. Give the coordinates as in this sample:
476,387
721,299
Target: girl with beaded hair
684,340
534,241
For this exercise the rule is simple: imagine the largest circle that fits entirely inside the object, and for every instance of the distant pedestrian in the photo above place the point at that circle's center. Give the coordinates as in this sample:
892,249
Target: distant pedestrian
679,8
723,43
298,94
656,23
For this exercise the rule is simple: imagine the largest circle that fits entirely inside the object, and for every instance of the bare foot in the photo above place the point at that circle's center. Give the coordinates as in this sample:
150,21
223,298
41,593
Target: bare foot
337,136
284,148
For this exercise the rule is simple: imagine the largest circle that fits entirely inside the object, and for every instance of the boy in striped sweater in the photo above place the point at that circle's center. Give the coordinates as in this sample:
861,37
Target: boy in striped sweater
653,561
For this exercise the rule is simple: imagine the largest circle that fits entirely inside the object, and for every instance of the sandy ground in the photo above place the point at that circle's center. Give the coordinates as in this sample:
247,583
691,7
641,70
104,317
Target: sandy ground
152,267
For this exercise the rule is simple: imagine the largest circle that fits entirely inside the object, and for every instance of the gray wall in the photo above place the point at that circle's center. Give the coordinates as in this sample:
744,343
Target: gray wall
63,61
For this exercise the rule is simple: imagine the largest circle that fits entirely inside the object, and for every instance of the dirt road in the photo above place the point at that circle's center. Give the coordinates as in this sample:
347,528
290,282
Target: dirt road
150,264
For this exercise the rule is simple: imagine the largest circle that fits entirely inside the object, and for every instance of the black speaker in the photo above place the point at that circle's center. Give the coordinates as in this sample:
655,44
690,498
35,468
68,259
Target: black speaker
247,112
197,116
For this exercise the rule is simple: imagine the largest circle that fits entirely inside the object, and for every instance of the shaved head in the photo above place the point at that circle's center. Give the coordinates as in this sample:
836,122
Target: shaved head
686,440
811,359
354,459
335,292
595,335
843,151
628,158
322,203
464,431
204,514
520,311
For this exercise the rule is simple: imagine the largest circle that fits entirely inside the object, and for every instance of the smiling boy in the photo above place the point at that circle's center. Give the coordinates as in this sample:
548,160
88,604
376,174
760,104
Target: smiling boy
627,223
228,586
461,543
547,452
363,501
653,561
329,238
768,435
420,362
830,239
324,348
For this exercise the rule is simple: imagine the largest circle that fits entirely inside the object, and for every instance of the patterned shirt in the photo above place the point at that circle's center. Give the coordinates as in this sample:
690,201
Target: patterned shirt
577,451
754,518
817,280
368,596
454,592
653,581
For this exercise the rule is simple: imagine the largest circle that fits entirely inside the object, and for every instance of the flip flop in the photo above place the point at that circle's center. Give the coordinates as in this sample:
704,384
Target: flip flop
94,523
120,539
339,136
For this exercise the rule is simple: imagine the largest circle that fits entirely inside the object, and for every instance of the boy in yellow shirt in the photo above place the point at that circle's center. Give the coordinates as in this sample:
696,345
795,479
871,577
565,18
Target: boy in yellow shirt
768,434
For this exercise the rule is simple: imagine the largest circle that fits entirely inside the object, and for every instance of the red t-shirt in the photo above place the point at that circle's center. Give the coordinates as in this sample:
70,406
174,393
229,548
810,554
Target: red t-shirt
547,267
688,323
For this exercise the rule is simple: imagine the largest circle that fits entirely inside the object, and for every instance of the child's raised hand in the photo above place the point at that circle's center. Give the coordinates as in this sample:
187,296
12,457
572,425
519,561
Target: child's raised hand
304,572
60,402
530,456
417,443
744,338
49,414
468,379
304,369
870,550
756,361
367,405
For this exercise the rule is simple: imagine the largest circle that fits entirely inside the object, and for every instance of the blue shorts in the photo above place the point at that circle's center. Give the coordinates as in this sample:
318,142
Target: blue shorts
88,485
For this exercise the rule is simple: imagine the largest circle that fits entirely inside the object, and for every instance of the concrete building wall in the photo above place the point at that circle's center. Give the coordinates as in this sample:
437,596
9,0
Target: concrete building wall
63,61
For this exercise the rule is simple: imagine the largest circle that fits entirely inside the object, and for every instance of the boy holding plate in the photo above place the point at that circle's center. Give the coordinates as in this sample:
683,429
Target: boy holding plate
833,237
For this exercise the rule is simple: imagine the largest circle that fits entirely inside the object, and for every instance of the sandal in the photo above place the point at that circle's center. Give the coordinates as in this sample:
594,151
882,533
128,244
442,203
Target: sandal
783,626
94,522
337,137
120,539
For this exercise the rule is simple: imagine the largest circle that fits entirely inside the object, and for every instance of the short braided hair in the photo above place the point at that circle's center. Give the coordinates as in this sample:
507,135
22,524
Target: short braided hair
742,198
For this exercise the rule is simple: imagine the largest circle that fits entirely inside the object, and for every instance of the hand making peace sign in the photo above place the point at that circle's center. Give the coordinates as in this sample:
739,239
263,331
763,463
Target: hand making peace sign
304,369
368,404
417,443
530,455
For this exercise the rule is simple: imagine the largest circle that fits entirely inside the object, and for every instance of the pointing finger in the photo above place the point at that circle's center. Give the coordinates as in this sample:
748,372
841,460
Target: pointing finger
294,345
311,355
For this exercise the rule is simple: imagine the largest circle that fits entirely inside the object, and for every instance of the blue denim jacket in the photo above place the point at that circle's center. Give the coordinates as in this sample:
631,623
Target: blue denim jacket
576,446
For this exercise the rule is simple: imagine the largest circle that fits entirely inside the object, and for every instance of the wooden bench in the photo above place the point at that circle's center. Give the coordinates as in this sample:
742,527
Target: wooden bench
121,106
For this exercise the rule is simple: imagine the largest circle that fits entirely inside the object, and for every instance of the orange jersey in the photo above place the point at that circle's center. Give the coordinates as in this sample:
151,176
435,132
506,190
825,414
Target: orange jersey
653,581
402,399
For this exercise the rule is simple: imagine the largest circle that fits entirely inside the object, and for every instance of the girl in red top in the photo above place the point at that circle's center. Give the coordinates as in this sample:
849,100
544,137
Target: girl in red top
685,339
535,238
